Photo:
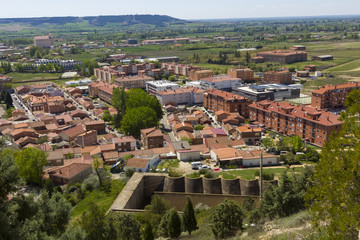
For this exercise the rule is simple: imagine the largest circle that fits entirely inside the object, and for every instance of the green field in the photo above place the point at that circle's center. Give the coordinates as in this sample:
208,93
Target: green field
21,77
249,174
311,85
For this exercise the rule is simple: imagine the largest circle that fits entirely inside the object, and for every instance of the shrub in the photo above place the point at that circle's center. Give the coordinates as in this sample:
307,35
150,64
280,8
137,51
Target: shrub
90,183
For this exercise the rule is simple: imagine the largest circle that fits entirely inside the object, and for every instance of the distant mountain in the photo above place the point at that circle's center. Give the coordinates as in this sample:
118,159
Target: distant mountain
158,20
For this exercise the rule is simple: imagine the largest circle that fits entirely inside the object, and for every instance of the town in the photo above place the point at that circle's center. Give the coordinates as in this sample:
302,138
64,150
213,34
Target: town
157,135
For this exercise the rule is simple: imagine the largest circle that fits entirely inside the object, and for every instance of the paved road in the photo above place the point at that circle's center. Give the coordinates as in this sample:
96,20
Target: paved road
16,103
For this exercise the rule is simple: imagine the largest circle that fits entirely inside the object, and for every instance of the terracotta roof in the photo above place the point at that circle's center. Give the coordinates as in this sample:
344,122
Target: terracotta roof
74,131
110,155
220,78
125,139
71,170
225,95
99,122
136,162
152,132
107,147
52,126
21,125
248,128
180,91
326,88
227,153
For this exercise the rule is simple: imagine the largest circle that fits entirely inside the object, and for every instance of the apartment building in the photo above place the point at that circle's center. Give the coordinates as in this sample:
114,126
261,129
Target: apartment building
196,75
102,90
152,138
221,82
216,100
283,56
281,77
133,81
181,96
245,74
309,123
332,96
152,87
180,69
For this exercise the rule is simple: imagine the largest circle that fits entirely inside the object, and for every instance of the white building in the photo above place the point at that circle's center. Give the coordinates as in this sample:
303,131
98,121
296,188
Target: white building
152,87
181,96
188,155
221,82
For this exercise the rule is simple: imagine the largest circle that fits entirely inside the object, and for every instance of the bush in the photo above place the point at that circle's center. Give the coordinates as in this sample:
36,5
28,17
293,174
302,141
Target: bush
129,172
227,219
265,175
175,173
90,183
210,175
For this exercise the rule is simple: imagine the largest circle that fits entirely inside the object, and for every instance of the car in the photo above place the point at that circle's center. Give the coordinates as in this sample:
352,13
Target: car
164,170
122,173
204,167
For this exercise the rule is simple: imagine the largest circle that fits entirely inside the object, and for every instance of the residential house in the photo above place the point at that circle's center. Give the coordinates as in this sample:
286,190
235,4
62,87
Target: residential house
70,173
152,138
142,164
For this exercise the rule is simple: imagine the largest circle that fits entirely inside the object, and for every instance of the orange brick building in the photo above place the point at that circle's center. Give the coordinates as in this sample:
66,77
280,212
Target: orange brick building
331,96
281,77
283,56
245,74
309,123
216,100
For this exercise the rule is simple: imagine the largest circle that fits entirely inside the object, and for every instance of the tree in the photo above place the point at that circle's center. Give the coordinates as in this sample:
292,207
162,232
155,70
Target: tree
127,227
30,162
189,140
158,205
174,224
93,222
227,218
103,173
8,177
139,98
268,142
106,116
118,101
129,172
199,127
74,232
335,195
8,100
147,232
247,57
138,118
249,204
163,226
172,78
189,218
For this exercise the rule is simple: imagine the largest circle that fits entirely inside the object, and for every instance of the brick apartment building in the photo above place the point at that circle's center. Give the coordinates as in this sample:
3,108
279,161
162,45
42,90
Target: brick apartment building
216,100
196,75
133,81
281,77
180,69
283,56
332,96
99,126
152,138
245,74
309,123
125,144
107,73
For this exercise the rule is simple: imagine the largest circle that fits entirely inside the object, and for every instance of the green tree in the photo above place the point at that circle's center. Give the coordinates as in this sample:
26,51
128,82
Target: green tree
268,142
30,162
158,205
249,204
103,173
127,227
8,177
163,226
139,98
74,232
138,118
174,224
227,218
118,101
93,222
172,78
8,100
147,232
129,172
335,196
247,57
106,116
199,127
189,218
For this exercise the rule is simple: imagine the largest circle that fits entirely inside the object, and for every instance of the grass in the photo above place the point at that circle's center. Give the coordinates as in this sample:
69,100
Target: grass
100,197
249,174
311,85
21,77
168,163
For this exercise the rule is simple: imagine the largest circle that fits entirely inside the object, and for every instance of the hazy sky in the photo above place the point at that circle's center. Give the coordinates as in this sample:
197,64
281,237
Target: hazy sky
184,9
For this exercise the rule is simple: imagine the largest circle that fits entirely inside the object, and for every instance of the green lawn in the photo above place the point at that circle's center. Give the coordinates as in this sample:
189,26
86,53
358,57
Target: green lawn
100,197
21,77
249,174
311,85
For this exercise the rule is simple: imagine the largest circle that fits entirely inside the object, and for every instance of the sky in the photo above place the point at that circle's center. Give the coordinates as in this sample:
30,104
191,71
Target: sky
183,9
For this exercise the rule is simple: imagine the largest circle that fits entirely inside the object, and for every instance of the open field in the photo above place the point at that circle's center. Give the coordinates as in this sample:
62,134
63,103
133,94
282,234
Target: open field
20,77
311,85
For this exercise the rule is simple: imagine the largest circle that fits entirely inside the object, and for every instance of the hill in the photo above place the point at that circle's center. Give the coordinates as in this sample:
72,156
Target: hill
157,20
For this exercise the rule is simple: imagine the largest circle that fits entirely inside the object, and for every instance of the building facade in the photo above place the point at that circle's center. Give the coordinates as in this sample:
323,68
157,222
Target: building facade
309,123
332,96
216,100
245,74
152,87
221,82
281,77
283,56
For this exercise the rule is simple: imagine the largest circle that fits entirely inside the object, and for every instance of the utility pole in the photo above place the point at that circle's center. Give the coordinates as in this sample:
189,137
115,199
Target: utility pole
261,161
